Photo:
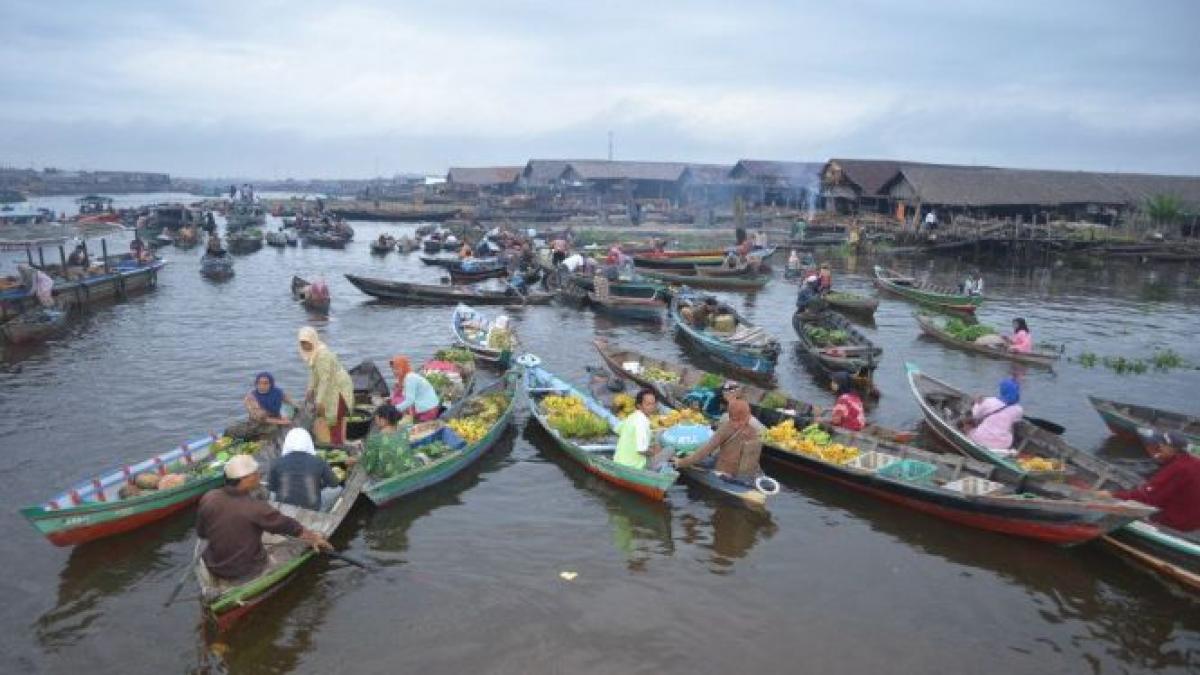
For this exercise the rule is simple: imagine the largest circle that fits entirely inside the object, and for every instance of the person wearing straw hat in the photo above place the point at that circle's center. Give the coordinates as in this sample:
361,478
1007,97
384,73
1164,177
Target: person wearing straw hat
233,522
1175,488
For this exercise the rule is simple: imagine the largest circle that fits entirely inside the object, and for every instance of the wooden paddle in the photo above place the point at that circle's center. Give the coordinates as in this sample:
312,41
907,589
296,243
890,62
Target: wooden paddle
1052,427
183,579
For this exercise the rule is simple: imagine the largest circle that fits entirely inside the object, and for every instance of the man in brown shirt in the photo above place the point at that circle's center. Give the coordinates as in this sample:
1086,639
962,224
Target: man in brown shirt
736,443
233,522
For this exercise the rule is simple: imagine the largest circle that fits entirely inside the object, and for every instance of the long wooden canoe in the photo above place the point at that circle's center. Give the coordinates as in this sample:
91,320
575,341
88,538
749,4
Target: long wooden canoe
34,325
746,283
641,288
470,329
851,303
1125,419
386,491
596,456
910,289
752,352
227,601
859,356
301,292
92,509
405,293
683,379
1174,554
929,326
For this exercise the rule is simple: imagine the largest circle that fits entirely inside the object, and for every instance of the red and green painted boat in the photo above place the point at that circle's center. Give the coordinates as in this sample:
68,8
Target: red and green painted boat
225,601
596,458
1124,420
386,491
945,299
92,509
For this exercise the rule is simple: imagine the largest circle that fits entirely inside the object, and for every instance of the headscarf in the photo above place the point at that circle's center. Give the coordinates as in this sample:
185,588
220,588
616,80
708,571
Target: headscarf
309,334
298,440
273,399
401,364
1010,391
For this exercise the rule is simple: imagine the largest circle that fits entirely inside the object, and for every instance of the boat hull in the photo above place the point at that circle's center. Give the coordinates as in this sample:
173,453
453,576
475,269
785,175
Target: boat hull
424,294
884,280
930,328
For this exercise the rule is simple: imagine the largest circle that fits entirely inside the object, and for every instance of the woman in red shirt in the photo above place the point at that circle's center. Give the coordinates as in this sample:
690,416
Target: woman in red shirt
848,411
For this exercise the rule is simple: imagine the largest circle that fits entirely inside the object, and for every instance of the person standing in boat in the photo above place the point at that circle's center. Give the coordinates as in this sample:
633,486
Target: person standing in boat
301,478
232,521
993,418
1021,342
736,444
213,247
37,283
1175,488
848,412
808,291
635,439
330,388
413,392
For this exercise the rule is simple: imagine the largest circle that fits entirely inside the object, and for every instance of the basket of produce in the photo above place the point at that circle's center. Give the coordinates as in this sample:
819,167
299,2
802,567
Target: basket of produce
570,417
823,337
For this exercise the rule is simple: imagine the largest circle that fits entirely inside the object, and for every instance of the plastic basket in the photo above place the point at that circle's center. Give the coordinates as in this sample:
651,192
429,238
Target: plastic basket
873,461
911,470
685,437
973,485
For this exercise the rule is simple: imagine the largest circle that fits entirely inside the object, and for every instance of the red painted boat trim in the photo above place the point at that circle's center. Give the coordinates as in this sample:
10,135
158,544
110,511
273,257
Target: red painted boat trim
88,533
644,490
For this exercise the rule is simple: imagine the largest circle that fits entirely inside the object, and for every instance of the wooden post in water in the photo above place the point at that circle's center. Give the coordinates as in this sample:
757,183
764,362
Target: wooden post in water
41,259
62,259
29,254
104,252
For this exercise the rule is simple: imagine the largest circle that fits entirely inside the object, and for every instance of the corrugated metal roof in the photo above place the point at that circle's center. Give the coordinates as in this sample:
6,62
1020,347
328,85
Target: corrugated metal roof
625,170
482,175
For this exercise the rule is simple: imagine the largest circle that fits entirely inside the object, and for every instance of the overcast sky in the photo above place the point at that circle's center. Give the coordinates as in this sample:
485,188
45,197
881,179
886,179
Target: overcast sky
355,89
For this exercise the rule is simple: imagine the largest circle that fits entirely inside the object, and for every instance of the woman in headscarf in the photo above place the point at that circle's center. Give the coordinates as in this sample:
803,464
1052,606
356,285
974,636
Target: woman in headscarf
265,401
737,446
387,451
299,477
995,416
329,387
413,393
848,410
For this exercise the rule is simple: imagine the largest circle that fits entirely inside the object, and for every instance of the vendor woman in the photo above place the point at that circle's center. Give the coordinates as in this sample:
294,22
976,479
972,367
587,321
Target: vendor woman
264,405
330,388
413,393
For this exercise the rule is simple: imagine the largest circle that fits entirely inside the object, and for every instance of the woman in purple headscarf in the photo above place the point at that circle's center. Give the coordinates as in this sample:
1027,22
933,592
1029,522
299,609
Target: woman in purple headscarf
264,404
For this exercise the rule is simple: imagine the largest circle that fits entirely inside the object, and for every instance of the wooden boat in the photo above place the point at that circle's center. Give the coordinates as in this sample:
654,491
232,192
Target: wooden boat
929,326
910,289
1124,419
325,240
859,356
471,330
123,277
244,241
313,303
451,246
1168,552
33,325
92,509
748,283
748,349
638,367
406,245
293,237
681,264
472,271
384,246
383,492
277,239
851,303
431,246
216,267
640,288
440,261
596,457
644,309
404,293
965,491
226,601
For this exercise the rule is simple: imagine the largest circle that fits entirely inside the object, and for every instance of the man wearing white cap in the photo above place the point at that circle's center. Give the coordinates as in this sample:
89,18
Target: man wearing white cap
233,523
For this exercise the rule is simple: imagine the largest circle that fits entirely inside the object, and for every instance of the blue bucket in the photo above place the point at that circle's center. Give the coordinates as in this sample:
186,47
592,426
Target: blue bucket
685,438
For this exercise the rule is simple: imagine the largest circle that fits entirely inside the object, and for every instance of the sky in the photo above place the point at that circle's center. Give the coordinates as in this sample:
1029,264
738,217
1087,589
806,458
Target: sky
359,89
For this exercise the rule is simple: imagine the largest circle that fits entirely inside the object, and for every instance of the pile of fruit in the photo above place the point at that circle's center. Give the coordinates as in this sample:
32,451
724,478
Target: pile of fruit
500,339
969,332
623,405
144,482
680,416
660,375
569,416
812,441
823,337
459,355
479,416
1033,464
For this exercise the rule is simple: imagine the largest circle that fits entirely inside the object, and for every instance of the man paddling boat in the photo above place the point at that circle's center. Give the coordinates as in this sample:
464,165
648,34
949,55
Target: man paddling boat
1174,488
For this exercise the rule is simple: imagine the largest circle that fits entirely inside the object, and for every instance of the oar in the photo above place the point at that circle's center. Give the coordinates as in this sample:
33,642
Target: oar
183,579
1052,427
344,557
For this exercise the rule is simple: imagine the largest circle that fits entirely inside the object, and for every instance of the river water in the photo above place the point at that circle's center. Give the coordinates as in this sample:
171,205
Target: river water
470,571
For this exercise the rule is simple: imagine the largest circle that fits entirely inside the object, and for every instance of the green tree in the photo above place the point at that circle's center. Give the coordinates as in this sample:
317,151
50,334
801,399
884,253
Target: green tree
1164,209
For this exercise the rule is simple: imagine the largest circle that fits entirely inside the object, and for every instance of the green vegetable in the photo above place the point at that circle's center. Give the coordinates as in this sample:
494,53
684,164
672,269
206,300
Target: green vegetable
962,330
455,355
710,381
774,401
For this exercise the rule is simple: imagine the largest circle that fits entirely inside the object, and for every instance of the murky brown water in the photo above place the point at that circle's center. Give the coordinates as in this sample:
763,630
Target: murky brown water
829,582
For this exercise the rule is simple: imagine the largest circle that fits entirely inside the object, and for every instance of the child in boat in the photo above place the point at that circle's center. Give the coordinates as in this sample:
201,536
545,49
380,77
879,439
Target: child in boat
1021,342
995,416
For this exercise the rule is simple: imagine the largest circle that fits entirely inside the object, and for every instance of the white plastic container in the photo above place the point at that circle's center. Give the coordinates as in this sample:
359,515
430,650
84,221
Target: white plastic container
873,461
974,486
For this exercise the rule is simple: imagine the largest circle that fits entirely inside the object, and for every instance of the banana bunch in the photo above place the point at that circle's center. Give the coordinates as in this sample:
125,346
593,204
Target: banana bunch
1038,464
622,405
674,417
486,411
556,404
660,375
470,429
809,442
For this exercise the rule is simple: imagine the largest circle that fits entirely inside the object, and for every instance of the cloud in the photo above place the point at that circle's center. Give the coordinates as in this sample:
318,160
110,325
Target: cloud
336,85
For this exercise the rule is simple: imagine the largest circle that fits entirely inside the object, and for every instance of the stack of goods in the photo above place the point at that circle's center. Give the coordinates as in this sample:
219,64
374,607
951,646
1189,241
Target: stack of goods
449,376
149,482
337,461
1039,464
774,401
388,456
479,416
623,405
687,416
823,337
813,441
710,381
223,449
569,416
499,336
659,375
961,330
